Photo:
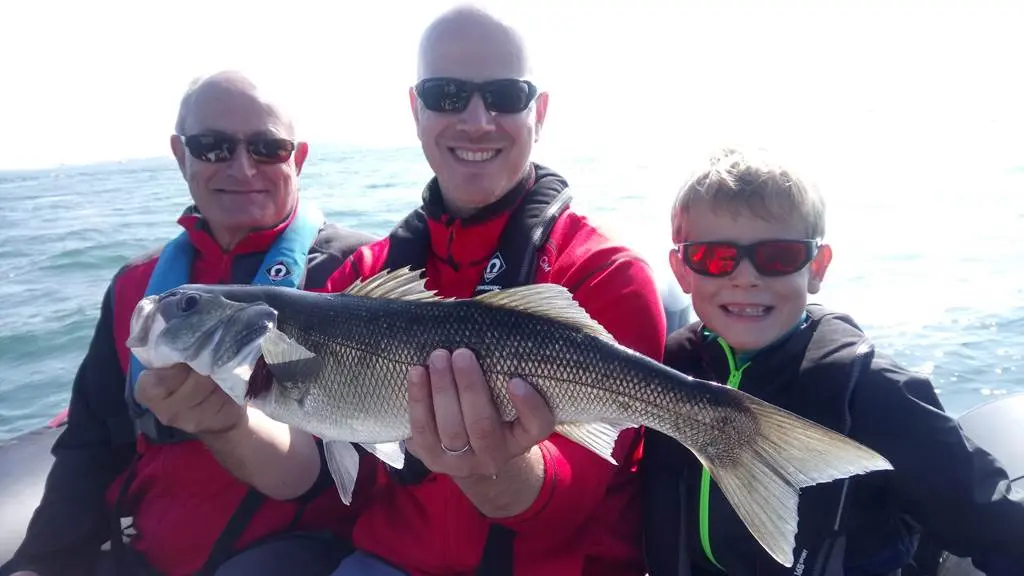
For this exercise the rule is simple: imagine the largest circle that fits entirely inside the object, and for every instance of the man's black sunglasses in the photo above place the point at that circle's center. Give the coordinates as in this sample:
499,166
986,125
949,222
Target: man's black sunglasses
217,148
503,96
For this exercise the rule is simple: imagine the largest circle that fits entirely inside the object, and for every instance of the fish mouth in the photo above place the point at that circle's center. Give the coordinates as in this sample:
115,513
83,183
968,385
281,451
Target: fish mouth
141,322
243,346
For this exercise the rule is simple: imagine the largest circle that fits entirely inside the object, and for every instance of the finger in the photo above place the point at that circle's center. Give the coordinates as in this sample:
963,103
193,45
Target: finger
447,409
196,390
157,384
422,425
534,423
184,407
219,413
482,421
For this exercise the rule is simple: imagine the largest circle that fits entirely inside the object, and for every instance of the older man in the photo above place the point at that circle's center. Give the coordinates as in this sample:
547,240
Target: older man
485,496
142,474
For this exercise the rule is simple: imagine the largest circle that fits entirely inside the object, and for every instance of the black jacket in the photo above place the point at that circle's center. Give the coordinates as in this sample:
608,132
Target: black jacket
828,372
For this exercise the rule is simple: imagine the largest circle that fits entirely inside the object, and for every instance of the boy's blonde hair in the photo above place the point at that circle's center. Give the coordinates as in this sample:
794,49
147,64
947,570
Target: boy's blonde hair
750,182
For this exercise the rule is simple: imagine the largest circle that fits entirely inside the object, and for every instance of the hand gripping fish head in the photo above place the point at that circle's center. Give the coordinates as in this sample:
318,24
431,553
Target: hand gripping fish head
214,336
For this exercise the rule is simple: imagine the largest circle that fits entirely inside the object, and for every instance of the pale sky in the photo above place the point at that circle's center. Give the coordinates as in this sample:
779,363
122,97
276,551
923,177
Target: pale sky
101,80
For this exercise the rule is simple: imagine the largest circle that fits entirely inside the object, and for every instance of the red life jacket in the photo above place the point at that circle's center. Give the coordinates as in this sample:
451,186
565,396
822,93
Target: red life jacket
586,519
176,496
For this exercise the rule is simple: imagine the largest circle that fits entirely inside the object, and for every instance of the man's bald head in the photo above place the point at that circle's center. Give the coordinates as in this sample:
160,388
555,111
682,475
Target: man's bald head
469,43
222,86
236,150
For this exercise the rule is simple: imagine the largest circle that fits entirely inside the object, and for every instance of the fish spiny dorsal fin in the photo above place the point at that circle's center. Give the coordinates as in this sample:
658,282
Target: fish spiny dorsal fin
548,300
400,284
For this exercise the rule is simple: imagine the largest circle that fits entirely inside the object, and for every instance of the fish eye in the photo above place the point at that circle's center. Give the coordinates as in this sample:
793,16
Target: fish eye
188,303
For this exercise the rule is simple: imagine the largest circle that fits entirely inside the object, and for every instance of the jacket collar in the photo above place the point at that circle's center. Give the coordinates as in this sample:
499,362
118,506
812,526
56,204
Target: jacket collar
199,234
771,364
433,202
471,240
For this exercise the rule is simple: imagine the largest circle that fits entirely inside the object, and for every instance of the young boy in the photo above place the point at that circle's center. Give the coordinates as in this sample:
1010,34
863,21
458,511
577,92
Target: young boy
748,249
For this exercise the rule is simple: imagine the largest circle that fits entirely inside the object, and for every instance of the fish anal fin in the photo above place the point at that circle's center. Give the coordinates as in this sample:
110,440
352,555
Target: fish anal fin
390,453
343,462
598,437
552,301
288,360
401,284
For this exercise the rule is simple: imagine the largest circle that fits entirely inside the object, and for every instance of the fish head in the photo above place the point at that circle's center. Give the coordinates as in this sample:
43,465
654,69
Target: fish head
212,334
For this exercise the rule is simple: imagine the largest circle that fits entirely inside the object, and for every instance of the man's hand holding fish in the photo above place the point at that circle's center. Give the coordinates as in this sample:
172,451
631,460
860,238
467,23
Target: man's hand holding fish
237,435
457,430
180,397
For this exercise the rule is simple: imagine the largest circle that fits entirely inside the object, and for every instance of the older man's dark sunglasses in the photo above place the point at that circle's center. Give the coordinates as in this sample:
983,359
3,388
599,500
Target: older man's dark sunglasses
770,258
218,148
503,96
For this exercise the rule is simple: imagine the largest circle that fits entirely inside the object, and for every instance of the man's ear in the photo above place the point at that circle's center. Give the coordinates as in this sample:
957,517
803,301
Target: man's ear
541,113
178,149
414,105
301,153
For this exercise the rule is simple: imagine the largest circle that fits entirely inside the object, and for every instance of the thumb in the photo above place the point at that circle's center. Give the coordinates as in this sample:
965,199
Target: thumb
155,384
534,421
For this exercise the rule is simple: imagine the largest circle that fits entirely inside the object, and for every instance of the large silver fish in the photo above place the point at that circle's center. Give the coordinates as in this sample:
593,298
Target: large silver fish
335,365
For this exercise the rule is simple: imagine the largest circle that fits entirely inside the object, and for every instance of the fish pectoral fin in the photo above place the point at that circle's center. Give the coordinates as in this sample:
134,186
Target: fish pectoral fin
390,453
343,462
552,301
599,437
288,360
400,284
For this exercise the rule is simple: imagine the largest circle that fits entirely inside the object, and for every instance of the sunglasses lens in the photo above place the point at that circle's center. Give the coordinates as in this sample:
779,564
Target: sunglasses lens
710,258
217,148
271,150
508,96
781,257
444,95
210,147
770,258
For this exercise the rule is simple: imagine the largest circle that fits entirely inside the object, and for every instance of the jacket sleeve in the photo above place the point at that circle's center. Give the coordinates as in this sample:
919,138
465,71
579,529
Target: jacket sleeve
956,491
364,262
71,522
617,290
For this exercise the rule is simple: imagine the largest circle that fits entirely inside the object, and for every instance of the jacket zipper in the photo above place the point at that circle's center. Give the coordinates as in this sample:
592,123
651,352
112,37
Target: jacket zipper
450,223
735,374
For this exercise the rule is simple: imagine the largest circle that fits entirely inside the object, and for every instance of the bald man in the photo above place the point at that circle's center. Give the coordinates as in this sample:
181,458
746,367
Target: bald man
478,495
136,464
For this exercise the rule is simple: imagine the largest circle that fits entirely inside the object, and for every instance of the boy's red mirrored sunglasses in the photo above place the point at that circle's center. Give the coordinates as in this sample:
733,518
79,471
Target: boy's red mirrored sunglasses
771,258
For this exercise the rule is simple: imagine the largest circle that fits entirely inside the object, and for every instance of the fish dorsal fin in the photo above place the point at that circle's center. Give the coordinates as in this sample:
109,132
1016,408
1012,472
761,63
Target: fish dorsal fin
400,284
551,301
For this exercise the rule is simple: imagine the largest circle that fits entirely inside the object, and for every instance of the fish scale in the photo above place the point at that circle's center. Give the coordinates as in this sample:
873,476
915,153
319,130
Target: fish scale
335,366
368,367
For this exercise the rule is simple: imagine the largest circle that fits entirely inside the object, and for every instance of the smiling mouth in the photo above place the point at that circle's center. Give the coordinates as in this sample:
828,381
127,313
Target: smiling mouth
475,155
747,310
226,191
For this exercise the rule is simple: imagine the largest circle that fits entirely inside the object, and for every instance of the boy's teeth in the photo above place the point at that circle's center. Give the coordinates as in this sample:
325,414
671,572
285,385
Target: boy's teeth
472,156
747,310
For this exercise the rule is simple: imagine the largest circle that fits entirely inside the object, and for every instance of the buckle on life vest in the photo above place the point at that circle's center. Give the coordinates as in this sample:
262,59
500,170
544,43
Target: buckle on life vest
128,530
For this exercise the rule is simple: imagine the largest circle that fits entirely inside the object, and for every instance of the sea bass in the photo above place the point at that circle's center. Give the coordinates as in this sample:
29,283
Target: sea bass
335,366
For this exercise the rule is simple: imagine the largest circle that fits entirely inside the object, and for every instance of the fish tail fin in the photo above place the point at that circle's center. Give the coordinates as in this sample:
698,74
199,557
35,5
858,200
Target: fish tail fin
763,478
